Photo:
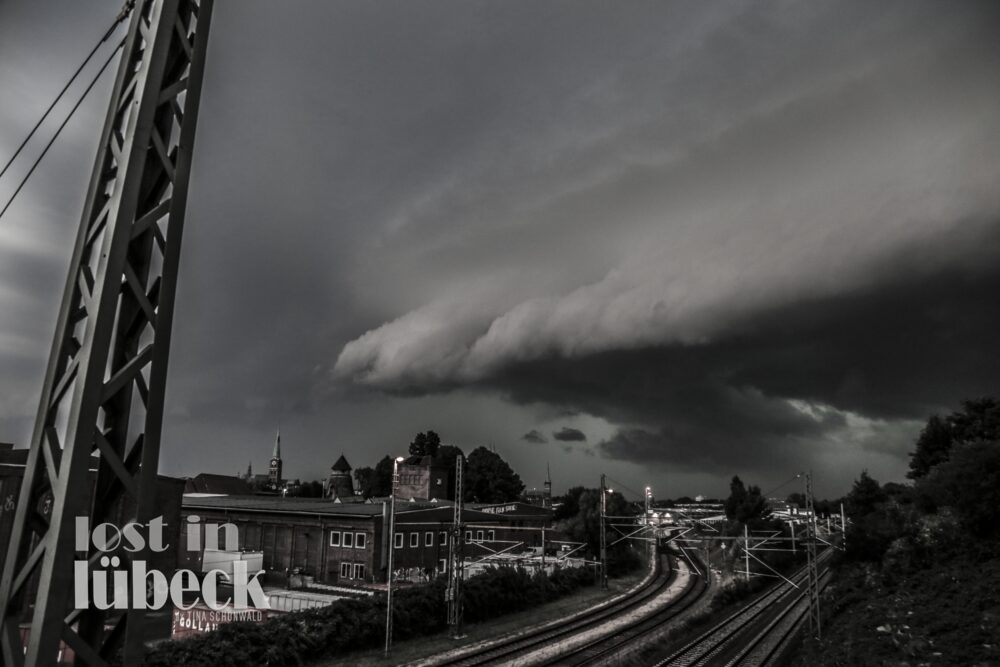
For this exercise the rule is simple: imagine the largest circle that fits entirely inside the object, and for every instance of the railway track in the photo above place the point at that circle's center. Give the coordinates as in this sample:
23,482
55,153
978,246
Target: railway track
755,634
664,577
598,651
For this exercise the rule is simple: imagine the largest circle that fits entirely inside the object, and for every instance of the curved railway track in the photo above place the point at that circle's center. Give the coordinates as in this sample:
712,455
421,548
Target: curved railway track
598,651
665,576
755,634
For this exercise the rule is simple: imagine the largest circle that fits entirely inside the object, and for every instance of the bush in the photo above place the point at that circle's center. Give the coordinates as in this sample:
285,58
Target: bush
969,482
296,638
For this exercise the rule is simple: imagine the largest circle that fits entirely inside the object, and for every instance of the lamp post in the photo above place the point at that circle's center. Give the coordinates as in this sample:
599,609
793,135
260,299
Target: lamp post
647,519
391,541
604,538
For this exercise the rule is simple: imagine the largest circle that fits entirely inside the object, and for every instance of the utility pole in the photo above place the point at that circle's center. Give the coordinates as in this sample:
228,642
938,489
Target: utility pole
843,527
649,524
812,575
106,377
391,540
456,559
543,547
604,537
746,549
791,526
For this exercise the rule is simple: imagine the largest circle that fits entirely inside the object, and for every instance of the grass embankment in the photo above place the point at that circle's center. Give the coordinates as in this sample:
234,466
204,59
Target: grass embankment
413,650
946,614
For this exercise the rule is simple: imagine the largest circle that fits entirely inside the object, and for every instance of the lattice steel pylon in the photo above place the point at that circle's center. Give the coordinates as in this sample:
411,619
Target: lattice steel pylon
111,347
812,576
456,558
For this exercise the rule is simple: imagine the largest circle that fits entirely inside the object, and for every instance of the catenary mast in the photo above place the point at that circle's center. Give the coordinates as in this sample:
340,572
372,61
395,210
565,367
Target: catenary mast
104,387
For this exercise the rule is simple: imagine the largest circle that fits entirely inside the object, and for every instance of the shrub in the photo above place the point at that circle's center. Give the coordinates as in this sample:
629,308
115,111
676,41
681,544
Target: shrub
296,638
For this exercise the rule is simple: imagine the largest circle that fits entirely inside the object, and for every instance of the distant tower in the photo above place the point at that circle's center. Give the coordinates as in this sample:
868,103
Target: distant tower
249,471
547,499
274,474
339,485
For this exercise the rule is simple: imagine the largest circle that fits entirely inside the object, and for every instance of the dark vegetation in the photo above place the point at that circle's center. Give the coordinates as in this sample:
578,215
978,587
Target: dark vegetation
579,518
488,478
920,580
347,625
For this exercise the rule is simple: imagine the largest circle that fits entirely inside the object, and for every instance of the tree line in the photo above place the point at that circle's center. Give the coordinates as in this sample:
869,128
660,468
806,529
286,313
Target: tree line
487,477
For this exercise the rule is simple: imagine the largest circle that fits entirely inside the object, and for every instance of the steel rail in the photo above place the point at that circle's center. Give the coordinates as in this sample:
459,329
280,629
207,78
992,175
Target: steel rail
663,579
710,643
598,651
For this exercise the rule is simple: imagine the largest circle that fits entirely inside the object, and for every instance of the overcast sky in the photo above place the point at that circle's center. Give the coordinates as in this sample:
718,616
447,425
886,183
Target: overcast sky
670,241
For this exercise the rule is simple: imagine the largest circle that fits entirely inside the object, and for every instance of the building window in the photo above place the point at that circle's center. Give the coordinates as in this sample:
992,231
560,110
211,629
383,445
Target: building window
335,539
493,535
414,539
428,539
359,571
479,536
442,538
360,539
398,541
345,570
442,565
468,536
348,540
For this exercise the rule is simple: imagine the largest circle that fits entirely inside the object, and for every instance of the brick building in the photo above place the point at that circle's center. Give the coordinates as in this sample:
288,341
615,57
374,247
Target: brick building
341,543
424,478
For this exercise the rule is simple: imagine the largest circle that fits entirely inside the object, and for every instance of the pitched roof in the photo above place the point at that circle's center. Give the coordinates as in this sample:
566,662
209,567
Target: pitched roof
342,465
406,513
209,483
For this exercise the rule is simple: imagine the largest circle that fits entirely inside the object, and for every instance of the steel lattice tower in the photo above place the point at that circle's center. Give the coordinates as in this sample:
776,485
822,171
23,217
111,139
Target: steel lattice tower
456,561
604,537
812,575
104,387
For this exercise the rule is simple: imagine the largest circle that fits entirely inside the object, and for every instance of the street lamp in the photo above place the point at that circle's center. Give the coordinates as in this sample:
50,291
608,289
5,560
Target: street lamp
604,539
391,537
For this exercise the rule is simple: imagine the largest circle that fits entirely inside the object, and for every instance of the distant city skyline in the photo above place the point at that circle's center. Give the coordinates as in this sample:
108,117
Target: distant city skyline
671,242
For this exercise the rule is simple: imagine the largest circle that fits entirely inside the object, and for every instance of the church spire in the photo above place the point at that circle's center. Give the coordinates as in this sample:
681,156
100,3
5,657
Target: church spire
274,471
547,500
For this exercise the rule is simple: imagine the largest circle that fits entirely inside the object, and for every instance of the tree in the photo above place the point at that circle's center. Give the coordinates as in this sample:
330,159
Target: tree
737,495
570,504
933,446
977,421
489,479
865,497
364,479
583,524
375,482
425,444
313,489
745,505
448,453
969,483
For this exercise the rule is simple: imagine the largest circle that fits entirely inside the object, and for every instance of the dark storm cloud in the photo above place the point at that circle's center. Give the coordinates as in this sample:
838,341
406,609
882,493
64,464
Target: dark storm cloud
826,378
535,437
727,234
567,434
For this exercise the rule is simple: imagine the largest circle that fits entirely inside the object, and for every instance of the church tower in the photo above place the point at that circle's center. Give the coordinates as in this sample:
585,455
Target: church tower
547,499
274,473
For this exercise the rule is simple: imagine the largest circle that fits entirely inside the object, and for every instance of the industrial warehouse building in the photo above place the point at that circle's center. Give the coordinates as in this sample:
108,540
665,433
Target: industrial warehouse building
343,544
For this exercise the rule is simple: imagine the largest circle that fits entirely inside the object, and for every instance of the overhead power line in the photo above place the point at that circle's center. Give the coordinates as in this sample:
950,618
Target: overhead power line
122,15
51,141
